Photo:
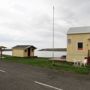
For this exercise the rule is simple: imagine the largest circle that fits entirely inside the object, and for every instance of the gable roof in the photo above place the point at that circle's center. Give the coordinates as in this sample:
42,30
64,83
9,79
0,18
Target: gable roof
24,47
77,30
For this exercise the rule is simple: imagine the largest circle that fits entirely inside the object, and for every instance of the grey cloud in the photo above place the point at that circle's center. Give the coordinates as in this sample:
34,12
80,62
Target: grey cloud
75,12
6,38
18,17
15,25
42,22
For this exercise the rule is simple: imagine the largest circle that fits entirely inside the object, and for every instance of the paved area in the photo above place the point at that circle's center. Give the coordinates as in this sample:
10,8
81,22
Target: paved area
15,76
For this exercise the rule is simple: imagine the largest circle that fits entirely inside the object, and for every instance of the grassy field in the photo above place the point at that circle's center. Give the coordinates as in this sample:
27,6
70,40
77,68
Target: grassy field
46,63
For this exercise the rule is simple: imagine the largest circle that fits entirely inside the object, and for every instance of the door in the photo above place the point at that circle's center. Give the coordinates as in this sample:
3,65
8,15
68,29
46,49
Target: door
28,52
88,56
88,44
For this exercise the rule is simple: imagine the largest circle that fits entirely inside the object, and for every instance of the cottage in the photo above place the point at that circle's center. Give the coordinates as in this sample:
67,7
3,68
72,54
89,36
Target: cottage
78,43
23,51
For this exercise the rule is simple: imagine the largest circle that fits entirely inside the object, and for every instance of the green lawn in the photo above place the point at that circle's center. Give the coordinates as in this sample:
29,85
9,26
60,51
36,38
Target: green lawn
46,63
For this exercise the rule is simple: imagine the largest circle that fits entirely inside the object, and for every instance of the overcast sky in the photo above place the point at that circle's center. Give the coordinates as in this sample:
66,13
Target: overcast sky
30,21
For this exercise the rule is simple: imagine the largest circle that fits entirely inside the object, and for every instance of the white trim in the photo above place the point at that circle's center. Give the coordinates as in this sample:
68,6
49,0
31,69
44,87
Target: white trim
2,71
47,85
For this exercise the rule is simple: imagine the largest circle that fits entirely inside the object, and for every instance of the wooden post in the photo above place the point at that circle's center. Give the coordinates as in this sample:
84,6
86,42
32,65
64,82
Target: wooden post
88,58
1,50
1,53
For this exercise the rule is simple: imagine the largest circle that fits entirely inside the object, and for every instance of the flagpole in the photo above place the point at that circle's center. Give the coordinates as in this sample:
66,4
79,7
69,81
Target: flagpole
53,36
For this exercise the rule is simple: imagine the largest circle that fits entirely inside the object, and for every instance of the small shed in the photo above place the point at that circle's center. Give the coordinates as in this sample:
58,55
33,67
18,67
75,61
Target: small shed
23,51
78,43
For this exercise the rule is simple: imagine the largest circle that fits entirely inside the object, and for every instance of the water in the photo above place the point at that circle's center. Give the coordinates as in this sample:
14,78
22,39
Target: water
7,52
49,54
42,53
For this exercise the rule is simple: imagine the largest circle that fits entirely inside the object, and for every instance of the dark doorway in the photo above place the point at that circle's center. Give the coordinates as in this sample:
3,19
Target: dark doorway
88,53
88,56
28,52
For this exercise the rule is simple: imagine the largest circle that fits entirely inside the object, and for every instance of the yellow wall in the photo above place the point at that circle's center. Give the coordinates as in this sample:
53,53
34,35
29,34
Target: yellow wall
18,52
25,53
72,50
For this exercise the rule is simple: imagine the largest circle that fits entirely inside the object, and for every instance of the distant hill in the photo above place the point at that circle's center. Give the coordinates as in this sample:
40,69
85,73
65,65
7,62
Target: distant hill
54,49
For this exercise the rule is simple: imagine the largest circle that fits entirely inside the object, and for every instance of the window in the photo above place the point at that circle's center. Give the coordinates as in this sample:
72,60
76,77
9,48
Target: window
25,50
32,50
89,39
69,41
80,46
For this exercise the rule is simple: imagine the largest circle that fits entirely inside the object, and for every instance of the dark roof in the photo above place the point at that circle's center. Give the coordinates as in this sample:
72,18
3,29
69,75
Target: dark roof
24,47
7,49
2,47
77,30
54,49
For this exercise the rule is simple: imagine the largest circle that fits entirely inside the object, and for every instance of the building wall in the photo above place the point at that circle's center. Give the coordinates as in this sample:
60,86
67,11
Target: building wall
72,50
18,52
26,53
32,52
89,43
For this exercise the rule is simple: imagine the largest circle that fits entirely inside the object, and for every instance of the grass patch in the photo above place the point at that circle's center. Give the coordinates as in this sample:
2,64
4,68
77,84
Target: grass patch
45,63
